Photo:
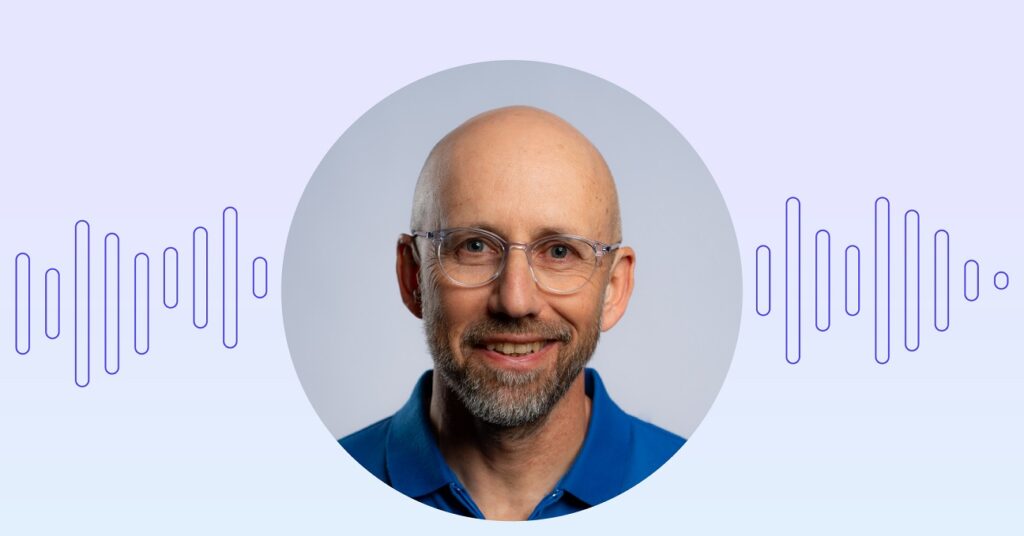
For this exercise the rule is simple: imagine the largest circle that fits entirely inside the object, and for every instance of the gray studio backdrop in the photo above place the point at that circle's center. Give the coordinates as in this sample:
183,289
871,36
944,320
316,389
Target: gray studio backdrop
358,351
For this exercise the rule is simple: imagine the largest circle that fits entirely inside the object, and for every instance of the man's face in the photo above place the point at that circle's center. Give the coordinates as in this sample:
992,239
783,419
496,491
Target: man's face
510,350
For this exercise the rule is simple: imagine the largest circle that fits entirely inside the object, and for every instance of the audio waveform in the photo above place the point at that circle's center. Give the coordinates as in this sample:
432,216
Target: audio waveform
140,285
881,291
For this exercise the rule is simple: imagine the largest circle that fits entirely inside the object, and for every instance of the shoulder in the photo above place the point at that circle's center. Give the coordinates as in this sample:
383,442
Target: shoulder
367,446
654,440
638,447
652,446
646,441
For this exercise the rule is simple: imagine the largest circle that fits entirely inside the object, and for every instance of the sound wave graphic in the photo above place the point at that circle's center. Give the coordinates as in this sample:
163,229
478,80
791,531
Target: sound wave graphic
882,280
141,286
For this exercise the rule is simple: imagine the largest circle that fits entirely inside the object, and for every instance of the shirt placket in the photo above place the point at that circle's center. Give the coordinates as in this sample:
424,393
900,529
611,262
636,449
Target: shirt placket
463,497
548,500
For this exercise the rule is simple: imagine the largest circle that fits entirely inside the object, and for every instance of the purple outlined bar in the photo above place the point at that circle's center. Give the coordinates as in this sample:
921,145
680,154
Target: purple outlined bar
82,303
762,280
940,280
111,303
260,277
170,271
792,269
22,303
229,277
911,280
200,277
972,280
822,280
1001,280
141,308
883,296
852,267
51,303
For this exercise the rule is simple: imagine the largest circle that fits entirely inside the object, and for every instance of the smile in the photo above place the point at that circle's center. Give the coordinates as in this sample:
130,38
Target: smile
515,349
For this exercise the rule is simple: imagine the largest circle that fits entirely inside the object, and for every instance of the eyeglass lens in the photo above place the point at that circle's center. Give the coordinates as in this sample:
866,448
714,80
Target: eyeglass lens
561,264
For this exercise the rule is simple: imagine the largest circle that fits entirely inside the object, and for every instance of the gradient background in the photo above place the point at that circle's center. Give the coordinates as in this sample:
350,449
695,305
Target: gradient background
149,121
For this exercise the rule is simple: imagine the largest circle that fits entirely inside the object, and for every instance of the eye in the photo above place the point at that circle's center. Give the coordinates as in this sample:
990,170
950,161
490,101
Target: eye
475,245
467,245
559,251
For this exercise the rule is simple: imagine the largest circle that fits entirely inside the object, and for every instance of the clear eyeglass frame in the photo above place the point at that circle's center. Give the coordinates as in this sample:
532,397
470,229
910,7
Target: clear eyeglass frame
437,237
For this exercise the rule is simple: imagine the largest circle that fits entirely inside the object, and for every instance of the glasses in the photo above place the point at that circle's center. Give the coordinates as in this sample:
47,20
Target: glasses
561,264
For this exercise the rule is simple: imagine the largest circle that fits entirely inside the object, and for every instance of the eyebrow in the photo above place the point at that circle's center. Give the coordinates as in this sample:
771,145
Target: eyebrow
542,232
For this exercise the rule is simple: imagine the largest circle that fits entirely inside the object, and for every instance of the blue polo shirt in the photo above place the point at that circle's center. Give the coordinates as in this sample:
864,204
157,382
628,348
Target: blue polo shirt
618,452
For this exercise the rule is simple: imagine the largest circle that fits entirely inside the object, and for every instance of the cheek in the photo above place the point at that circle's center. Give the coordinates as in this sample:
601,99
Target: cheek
460,308
581,310
462,304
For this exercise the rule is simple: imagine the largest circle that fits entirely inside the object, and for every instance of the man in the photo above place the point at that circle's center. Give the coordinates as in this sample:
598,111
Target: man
514,265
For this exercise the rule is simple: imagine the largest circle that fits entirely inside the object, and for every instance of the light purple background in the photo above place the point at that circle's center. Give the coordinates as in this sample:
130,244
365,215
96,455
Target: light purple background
148,122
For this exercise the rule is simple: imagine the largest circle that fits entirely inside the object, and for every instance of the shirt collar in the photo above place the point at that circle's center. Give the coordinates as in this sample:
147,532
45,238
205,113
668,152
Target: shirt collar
599,471
416,467
414,461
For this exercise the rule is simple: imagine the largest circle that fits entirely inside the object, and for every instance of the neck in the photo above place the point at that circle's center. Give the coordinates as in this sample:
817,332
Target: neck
508,471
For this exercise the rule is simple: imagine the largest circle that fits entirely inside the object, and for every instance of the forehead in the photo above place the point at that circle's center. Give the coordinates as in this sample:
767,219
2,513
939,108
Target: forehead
524,184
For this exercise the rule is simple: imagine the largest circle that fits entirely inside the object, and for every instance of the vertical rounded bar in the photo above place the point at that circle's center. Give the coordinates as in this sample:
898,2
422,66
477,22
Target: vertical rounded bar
51,303
911,280
141,307
822,280
852,282
22,303
792,269
260,277
111,303
83,341
200,277
972,280
883,295
170,275
940,287
1001,280
229,277
763,280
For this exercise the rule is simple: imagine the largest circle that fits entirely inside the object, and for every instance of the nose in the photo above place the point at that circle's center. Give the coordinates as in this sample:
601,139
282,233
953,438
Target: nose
516,293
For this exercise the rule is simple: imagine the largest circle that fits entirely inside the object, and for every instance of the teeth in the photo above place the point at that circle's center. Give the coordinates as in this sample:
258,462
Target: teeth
513,349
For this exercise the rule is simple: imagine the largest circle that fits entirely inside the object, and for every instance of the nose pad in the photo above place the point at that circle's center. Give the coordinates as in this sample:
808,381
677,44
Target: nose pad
526,260
515,267
516,291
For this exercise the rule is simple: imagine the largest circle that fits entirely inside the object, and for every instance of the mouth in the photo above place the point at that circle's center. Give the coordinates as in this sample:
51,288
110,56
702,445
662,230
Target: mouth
514,349
519,355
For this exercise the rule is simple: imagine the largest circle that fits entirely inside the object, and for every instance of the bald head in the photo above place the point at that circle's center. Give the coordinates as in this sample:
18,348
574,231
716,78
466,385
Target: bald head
518,170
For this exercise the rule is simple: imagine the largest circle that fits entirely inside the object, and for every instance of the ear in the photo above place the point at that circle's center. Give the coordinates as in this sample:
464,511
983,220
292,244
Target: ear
407,268
619,288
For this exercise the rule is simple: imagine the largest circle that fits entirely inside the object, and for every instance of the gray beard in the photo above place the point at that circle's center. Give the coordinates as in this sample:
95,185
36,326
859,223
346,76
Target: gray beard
507,398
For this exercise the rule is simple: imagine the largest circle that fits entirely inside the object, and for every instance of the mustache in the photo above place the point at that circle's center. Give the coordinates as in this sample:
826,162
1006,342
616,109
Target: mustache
478,331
